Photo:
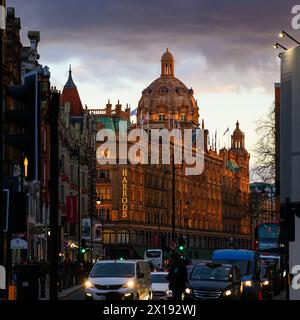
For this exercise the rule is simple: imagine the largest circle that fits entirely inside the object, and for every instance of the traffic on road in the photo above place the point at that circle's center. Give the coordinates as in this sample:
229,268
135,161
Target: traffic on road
231,274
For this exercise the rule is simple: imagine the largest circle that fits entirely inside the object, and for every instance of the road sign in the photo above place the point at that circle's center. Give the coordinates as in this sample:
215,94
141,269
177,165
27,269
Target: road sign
172,245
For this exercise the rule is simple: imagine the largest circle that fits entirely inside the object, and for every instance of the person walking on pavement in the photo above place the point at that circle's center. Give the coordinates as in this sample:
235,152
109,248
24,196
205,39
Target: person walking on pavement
43,277
177,277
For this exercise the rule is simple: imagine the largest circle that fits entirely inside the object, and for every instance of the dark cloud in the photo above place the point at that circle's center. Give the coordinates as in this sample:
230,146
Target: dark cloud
226,39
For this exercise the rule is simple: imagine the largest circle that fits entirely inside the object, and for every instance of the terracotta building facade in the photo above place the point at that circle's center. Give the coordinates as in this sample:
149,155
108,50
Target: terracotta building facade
211,209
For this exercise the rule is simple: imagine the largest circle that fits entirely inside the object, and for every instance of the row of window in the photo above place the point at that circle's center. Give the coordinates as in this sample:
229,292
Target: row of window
71,170
150,238
162,117
63,196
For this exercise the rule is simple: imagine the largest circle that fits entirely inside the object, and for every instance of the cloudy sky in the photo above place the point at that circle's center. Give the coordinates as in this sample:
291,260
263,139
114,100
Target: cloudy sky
222,49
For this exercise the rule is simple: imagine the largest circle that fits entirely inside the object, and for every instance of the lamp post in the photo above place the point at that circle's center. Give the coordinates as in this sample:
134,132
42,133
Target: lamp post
100,203
278,45
283,34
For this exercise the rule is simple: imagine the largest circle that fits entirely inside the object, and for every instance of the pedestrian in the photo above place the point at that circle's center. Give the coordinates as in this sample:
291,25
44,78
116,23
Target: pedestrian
43,277
177,277
60,273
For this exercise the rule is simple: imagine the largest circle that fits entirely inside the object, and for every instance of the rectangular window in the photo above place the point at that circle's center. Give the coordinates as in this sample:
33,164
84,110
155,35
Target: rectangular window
62,194
83,179
72,172
162,117
183,117
82,205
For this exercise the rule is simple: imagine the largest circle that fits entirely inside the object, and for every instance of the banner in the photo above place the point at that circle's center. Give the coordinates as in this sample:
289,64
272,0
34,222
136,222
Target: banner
86,228
71,209
98,232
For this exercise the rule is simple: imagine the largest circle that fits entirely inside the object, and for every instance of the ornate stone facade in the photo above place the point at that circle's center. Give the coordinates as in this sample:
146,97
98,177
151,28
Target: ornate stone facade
211,208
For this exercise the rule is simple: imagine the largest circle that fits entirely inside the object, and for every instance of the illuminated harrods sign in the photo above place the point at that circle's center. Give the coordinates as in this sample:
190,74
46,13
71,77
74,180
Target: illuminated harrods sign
124,198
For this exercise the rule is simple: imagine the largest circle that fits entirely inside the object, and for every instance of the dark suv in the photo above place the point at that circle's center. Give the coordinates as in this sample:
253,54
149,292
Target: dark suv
214,281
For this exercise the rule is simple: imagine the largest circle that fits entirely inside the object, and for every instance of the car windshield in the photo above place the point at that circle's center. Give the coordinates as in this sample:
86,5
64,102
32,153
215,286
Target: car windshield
264,272
159,278
243,265
153,254
113,270
203,272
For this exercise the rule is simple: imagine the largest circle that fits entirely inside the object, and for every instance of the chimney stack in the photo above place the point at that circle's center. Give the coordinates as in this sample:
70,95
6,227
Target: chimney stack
34,37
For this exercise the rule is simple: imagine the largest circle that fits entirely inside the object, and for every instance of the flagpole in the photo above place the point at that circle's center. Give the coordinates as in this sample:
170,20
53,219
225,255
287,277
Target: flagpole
228,138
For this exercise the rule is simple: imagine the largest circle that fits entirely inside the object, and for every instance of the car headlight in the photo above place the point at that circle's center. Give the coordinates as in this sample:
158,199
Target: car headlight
88,284
130,284
168,292
266,283
227,293
248,283
188,290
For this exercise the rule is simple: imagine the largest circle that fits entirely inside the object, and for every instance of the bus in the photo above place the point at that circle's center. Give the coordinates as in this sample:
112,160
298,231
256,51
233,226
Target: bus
155,256
267,236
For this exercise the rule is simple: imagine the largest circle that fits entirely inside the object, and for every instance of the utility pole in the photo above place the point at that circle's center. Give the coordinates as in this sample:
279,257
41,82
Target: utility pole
54,237
92,209
2,216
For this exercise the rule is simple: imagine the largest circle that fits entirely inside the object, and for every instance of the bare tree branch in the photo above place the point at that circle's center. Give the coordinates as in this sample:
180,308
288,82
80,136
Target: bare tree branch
264,151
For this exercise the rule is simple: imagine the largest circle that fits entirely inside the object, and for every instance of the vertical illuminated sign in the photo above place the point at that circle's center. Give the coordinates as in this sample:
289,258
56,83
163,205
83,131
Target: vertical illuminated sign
124,197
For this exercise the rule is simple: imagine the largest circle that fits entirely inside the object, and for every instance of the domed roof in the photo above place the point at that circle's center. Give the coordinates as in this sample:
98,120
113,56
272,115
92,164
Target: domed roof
168,94
238,131
167,56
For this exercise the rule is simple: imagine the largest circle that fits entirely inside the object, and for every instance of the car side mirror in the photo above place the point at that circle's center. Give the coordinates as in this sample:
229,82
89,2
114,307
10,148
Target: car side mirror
140,275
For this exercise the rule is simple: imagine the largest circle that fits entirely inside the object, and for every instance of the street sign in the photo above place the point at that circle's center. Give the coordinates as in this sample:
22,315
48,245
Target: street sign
18,244
172,245
2,278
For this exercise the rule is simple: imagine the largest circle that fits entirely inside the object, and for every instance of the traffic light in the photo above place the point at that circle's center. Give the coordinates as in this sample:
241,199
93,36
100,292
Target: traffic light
83,246
181,244
25,116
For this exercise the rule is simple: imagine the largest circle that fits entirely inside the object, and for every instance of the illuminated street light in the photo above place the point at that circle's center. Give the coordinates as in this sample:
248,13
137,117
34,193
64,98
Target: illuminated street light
278,45
283,34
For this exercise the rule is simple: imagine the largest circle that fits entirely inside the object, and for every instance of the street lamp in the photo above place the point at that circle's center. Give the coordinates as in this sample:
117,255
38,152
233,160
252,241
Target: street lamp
278,45
283,34
99,203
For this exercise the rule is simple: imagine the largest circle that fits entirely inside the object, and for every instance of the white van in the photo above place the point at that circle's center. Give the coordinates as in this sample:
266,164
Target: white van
119,280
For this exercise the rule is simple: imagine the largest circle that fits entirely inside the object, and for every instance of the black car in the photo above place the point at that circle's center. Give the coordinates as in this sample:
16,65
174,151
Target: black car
214,281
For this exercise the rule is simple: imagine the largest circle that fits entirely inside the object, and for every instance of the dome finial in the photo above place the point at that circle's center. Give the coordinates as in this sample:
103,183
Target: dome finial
237,124
167,64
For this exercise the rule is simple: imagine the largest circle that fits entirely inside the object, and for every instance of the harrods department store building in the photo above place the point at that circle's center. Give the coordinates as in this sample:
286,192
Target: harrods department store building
211,209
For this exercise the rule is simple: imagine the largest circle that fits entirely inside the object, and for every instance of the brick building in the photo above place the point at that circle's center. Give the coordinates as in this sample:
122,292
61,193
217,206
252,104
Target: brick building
77,132
212,209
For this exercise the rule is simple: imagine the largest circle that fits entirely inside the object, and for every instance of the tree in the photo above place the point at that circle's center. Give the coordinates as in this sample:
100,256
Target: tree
264,151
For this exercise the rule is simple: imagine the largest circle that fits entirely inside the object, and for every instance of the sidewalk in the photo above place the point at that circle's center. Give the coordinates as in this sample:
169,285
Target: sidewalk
66,292
61,294
280,296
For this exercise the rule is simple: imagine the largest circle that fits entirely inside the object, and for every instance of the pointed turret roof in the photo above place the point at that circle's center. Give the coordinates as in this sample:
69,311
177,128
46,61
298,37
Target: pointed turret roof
70,83
71,95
